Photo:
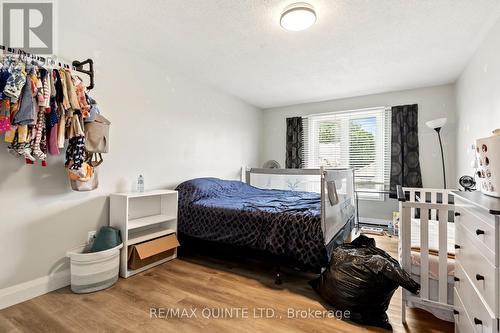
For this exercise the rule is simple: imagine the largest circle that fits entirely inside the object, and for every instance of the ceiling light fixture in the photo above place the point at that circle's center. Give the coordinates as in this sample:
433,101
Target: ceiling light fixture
298,16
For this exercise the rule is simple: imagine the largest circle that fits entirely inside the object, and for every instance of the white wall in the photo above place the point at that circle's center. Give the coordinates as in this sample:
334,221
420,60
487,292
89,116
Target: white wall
433,102
478,99
164,126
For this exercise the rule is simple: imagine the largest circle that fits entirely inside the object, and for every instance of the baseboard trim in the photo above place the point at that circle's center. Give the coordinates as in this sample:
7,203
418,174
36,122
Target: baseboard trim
27,290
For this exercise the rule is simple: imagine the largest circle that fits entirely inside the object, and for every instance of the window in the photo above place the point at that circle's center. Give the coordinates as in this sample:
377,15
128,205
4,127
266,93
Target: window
360,139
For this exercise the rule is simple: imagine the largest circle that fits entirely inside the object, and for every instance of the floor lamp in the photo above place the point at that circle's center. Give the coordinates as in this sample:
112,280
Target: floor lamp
436,125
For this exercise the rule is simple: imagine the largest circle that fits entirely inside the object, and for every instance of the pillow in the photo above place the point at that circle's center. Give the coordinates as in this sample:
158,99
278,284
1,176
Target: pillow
198,188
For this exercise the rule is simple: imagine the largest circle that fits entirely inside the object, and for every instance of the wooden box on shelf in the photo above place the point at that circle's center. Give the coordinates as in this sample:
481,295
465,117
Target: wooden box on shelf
141,217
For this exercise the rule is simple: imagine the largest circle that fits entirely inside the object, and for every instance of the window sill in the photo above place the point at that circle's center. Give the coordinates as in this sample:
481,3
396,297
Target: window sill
377,198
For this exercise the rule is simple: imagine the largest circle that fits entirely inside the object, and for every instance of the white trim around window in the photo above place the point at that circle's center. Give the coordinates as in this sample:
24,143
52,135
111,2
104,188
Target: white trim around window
354,138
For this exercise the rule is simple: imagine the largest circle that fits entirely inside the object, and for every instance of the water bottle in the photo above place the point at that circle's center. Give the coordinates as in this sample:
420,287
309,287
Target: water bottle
390,229
140,184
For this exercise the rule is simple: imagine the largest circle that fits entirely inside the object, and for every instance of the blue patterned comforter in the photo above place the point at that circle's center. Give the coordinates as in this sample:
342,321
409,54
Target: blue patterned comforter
283,223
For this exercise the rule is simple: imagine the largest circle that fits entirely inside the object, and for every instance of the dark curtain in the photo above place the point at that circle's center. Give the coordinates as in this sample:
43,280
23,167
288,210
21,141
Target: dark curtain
294,143
405,164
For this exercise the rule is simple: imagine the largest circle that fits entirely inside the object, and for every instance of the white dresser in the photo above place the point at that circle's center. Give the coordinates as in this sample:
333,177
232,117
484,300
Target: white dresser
476,294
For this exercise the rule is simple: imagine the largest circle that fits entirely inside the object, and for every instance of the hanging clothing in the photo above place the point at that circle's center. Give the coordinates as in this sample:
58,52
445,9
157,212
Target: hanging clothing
61,131
39,148
52,79
15,82
37,81
65,99
75,154
59,99
82,98
52,119
59,90
27,109
5,115
45,98
41,109
4,77
94,109
52,143
73,99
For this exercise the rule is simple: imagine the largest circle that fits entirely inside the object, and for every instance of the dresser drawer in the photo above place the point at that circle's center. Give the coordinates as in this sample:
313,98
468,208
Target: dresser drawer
482,276
463,323
469,247
479,313
483,230
481,213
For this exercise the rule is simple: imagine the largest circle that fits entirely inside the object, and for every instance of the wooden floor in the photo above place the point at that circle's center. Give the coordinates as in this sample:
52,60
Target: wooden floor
197,283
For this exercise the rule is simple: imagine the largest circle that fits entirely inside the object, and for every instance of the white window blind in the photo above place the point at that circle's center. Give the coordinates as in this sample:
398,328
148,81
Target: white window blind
360,139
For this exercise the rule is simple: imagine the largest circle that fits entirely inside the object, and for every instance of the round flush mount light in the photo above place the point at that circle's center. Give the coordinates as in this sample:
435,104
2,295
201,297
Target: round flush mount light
298,16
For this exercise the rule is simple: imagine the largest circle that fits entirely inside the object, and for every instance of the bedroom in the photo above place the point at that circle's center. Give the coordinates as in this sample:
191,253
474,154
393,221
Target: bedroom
197,89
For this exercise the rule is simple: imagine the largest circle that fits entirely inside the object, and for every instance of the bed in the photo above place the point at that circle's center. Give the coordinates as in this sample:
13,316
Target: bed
426,249
300,225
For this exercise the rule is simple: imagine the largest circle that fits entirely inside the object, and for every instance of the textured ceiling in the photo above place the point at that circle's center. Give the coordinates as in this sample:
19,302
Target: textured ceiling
356,47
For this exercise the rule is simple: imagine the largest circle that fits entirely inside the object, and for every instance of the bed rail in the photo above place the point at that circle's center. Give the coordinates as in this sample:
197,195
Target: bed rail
426,205
335,186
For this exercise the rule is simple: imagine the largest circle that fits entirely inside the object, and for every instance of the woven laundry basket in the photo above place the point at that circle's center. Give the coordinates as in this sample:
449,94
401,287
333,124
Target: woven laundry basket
93,271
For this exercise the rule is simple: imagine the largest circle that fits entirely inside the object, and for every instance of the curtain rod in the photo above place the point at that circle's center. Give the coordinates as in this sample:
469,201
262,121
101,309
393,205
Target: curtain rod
75,64
386,108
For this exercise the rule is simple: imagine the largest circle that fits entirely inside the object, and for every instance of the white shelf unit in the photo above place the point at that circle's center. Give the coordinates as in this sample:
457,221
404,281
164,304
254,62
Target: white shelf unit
140,217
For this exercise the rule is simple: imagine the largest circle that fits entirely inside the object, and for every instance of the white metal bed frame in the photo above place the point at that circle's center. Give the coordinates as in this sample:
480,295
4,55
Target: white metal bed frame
411,199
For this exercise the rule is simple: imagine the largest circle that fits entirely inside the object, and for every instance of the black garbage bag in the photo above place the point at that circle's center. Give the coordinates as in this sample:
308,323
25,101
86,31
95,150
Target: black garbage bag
362,278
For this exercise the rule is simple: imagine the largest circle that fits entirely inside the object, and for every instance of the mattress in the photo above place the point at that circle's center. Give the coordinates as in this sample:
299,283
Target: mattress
433,248
280,222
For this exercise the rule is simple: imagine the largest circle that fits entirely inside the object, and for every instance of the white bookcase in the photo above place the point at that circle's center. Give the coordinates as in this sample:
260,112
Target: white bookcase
140,217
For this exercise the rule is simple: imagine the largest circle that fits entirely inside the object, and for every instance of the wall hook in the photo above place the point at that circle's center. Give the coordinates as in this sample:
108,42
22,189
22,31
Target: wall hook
90,72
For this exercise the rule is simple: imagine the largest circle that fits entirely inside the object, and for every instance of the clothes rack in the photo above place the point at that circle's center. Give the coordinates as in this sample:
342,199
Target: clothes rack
45,109
75,65
90,72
